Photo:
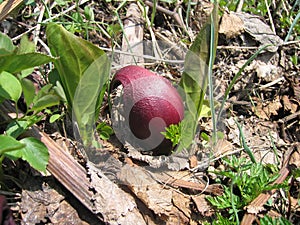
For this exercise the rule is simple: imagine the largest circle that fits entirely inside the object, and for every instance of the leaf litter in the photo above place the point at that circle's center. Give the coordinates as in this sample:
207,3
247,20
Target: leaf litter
264,99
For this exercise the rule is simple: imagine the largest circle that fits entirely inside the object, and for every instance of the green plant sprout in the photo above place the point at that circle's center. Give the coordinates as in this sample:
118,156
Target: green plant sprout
173,133
246,181
104,130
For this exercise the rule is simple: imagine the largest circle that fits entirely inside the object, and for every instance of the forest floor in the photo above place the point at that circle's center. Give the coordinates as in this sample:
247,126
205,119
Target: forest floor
209,184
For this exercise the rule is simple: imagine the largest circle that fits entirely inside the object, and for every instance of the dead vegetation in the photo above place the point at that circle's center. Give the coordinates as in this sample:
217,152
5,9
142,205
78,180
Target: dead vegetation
116,184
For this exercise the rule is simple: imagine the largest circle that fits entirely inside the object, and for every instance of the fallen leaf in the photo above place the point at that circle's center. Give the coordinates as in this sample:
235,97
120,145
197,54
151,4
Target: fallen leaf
295,158
193,161
266,110
254,209
260,31
182,202
267,72
231,25
288,105
223,146
202,205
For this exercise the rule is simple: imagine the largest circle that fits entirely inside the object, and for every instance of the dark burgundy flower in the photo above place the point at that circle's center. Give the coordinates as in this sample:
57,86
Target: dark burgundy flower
150,104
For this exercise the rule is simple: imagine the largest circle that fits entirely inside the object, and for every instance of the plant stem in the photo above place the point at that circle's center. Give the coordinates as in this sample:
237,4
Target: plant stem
233,204
243,142
210,69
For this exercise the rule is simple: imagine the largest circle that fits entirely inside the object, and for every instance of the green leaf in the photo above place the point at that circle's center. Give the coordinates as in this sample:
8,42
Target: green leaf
16,128
75,56
45,102
10,87
14,63
28,90
194,81
89,13
8,143
194,77
86,99
54,117
6,45
34,152
26,46
84,70
59,90
45,90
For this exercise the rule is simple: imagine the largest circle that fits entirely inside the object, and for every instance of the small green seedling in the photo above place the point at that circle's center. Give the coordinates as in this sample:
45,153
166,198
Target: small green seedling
173,133
104,130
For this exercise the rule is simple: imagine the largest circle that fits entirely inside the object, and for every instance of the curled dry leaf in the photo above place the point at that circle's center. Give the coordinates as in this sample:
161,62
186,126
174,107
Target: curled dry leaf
260,31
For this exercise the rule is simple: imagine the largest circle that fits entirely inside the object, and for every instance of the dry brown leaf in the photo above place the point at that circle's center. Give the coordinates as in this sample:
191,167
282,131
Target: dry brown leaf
182,202
108,195
267,72
193,161
41,202
223,146
254,209
231,25
288,105
265,111
295,158
65,215
260,31
203,207
152,194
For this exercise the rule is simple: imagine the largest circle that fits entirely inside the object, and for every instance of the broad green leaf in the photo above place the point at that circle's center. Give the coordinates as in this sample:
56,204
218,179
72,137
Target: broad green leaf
26,46
34,152
75,56
10,87
59,90
45,90
194,80
194,77
14,63
28,91
45,102
87,95
6,45
8,143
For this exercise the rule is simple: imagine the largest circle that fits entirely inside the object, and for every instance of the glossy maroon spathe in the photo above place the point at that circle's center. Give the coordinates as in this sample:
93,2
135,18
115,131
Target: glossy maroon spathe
152,103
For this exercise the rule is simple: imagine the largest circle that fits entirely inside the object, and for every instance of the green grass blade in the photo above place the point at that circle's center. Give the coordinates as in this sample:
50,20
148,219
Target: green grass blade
292,27
212,56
